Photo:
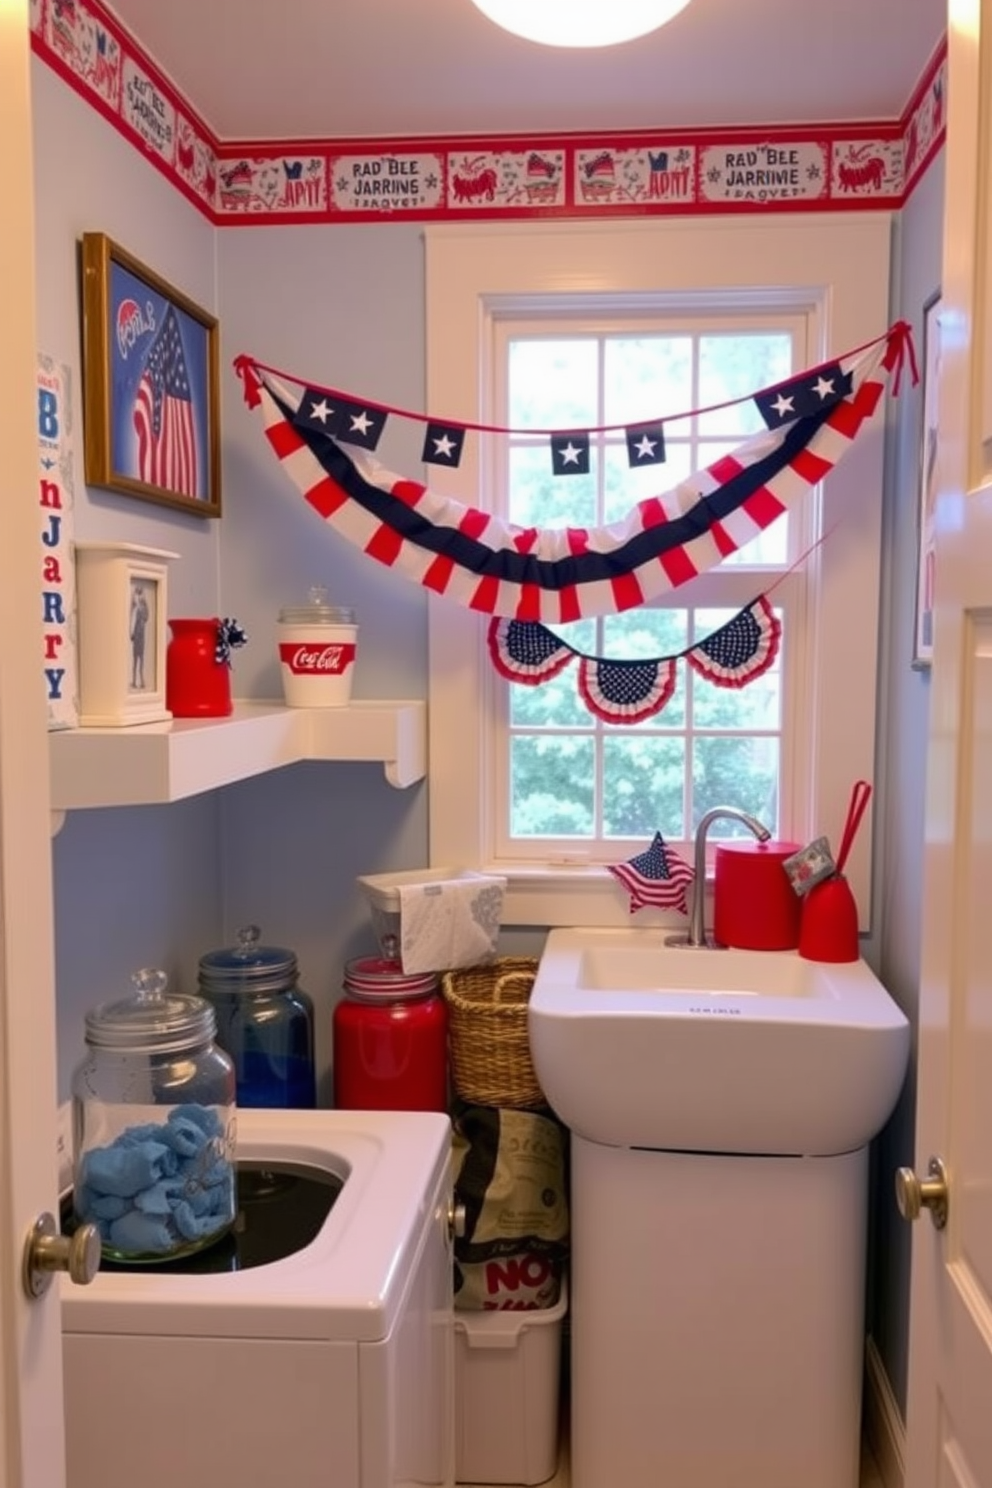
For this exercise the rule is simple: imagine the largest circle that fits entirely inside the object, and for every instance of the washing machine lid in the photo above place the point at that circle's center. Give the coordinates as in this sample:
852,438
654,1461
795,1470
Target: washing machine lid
347,1284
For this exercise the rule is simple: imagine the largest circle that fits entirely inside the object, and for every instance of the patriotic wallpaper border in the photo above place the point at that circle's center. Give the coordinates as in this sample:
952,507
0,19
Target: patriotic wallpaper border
674,172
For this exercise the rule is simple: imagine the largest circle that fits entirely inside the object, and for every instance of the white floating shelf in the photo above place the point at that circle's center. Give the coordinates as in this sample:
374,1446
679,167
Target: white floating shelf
150,763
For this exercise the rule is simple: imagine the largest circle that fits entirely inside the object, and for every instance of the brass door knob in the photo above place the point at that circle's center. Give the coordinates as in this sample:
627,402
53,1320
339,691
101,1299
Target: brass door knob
46,1251
915,1194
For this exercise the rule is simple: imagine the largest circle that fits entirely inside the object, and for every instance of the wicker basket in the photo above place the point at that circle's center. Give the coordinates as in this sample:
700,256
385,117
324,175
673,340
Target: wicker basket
487,1033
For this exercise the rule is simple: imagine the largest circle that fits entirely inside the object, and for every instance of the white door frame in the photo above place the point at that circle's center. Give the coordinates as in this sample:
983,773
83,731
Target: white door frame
31,1429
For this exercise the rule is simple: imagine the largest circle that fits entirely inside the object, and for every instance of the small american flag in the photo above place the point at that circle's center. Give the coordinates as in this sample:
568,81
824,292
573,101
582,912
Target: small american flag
163,415
658,876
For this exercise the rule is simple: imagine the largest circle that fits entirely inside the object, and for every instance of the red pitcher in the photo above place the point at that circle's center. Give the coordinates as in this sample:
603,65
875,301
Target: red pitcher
197,685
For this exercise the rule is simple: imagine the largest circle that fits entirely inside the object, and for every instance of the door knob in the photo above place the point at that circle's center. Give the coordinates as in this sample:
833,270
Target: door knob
46,1251
914,1194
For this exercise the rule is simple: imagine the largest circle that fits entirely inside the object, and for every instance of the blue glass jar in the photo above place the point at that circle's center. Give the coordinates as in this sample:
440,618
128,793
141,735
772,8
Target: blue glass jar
264,1021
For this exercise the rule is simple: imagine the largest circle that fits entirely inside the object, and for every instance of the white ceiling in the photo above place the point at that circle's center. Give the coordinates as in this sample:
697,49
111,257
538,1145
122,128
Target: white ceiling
329,69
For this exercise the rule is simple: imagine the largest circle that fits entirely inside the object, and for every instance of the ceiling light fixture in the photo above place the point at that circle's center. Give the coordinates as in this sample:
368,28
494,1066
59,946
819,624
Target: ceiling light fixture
580,23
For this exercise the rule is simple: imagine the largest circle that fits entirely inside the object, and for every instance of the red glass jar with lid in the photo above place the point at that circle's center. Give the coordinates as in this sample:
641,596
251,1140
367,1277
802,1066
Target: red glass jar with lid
390,1039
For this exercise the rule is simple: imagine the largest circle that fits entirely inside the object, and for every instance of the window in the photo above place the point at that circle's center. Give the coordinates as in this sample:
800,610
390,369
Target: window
526,324
567,784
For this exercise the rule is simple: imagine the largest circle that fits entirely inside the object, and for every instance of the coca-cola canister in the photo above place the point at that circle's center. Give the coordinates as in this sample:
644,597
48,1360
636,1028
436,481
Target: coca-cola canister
317,645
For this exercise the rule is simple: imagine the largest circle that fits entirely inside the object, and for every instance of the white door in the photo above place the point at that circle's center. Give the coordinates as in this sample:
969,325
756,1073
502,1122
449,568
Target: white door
31,1435
949,1414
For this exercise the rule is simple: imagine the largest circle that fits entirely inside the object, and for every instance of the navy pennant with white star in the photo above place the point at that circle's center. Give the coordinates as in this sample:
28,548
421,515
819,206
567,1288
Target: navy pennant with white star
318,411
645,444
570,453
358,424
443,444
810,394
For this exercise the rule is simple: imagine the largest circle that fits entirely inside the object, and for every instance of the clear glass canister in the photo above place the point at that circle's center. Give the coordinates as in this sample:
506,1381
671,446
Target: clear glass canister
154,1125
264,1021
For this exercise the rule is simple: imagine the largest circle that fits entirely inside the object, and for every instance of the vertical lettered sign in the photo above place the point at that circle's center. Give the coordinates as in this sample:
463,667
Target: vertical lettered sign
55,559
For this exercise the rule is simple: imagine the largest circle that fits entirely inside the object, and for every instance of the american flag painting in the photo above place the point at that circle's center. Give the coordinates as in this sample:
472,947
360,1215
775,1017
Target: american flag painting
164,420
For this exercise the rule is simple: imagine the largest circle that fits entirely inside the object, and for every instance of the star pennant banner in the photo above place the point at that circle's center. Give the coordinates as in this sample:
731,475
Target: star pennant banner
443,444
570,454
351,422
557,574
806,395
646,444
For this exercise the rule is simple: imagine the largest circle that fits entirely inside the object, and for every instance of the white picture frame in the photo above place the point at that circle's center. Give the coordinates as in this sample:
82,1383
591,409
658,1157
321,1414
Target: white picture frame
122,604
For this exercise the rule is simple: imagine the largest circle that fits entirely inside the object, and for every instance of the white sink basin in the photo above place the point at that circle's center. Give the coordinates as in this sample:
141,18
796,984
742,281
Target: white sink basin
639,1044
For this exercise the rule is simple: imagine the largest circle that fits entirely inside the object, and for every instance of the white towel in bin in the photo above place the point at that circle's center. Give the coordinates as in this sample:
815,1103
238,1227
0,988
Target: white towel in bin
450,922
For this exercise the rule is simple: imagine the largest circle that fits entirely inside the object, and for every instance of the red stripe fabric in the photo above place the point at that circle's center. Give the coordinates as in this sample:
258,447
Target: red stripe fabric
763,506
725,543
326,497
810,467
485,596
284,439
385,544
679,567
627,592
408,491
438,575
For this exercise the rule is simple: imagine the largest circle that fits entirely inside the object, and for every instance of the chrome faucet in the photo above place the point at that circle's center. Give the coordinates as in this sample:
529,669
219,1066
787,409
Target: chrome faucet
696,937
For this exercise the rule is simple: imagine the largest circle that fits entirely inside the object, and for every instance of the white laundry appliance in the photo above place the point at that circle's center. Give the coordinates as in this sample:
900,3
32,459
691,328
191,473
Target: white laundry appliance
317,1353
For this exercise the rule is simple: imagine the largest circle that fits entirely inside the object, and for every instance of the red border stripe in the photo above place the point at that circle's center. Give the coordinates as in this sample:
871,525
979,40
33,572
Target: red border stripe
195,157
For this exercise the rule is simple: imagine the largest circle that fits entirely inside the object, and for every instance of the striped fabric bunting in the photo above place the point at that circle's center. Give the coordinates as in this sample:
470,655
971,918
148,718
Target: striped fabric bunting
557,575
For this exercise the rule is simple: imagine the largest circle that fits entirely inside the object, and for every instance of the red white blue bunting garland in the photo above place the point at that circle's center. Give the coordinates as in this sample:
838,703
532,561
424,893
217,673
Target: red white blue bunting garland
558,575
626,692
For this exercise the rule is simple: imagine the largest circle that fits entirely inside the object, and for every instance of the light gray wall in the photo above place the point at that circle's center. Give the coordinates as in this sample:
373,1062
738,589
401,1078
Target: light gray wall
904,696
142,887
345,308
162,885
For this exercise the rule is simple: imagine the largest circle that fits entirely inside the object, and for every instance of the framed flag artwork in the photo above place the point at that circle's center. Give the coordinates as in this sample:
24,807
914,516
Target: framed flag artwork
150,384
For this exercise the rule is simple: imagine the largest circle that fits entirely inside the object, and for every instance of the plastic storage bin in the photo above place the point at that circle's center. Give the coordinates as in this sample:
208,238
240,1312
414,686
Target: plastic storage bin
507,1379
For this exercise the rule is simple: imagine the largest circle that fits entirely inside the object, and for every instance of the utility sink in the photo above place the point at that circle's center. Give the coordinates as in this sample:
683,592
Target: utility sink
639,1044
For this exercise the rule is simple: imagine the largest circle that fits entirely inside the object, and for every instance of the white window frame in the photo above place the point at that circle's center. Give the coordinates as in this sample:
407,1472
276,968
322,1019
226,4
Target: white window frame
835,270
725,587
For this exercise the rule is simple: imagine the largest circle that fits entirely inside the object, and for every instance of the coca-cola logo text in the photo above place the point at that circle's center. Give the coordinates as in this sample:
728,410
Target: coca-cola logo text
316,661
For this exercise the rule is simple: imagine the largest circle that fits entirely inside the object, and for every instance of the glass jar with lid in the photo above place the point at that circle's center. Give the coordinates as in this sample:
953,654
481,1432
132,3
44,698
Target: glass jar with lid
390,1039
264,1021
317,650
154,1124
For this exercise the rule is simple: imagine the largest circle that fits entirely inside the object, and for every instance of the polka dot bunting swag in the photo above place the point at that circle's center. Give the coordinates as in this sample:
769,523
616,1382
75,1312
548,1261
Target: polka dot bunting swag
625,692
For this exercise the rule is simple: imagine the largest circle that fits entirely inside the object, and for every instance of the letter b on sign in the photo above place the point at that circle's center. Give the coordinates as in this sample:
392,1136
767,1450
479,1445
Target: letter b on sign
48,414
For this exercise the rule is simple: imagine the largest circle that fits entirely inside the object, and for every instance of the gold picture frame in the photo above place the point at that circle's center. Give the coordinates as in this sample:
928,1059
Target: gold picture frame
151,393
